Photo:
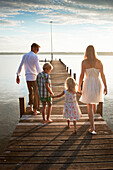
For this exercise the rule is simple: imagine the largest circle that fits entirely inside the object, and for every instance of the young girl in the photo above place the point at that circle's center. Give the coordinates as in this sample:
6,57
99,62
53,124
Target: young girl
71,109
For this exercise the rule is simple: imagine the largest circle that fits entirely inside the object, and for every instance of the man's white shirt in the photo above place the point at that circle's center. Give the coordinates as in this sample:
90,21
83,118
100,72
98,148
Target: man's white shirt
31,66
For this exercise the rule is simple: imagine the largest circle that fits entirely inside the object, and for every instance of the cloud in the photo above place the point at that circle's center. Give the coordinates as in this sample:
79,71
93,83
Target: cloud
5,22
61,12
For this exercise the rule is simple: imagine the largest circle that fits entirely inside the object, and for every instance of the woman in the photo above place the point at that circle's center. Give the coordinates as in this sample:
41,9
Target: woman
92,88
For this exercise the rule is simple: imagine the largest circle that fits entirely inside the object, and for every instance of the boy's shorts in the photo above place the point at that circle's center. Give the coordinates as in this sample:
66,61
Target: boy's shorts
47,100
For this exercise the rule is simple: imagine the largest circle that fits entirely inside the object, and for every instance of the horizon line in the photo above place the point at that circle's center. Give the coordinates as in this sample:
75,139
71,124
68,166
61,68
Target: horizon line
41,53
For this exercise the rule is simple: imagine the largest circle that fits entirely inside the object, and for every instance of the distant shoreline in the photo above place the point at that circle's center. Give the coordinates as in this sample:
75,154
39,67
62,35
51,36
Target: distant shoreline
55,53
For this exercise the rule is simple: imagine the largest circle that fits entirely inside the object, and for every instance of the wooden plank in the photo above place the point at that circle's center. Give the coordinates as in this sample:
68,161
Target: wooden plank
59,123
38,160
56,166
56,117
58,142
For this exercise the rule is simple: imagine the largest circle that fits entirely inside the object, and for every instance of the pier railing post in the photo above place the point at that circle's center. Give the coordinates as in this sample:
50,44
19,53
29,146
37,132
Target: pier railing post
100,108
70,72
74,76
67,69
22,106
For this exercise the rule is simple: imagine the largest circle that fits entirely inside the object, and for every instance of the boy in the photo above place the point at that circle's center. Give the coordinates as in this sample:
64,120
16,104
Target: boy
45,92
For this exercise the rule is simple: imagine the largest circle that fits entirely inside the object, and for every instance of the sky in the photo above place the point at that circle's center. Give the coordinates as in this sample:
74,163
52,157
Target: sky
75,25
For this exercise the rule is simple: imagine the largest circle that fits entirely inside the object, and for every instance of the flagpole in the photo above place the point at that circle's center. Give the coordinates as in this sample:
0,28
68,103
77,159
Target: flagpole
51,42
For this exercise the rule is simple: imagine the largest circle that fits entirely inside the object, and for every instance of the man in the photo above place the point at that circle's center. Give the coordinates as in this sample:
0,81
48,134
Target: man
32,68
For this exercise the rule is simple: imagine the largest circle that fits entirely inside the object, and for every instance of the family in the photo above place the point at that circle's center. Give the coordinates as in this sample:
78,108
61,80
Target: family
38,83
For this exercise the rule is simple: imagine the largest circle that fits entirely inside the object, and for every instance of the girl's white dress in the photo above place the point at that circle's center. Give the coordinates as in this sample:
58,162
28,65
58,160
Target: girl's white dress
71,107
92,87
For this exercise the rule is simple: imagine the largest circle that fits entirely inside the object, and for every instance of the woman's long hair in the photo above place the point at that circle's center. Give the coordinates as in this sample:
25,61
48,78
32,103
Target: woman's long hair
90,55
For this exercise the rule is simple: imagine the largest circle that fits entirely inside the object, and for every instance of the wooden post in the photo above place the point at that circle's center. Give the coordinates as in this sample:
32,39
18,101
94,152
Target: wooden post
100,108
70,72
22,106
74,76
67,69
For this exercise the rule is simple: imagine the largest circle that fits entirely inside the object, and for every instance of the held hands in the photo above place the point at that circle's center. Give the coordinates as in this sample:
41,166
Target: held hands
79,93
52,95
18,80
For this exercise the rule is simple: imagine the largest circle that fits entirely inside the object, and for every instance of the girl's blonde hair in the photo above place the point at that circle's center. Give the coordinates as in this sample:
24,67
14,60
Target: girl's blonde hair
70,84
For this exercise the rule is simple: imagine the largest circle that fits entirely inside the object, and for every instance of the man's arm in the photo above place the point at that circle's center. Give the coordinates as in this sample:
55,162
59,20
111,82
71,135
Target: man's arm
19,70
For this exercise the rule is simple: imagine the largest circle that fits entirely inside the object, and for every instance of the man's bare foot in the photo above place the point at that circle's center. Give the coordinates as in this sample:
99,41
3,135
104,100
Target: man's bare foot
36,112
31,108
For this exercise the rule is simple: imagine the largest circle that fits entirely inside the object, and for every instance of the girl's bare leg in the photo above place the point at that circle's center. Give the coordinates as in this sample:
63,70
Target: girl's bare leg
74,123
91,116
68,123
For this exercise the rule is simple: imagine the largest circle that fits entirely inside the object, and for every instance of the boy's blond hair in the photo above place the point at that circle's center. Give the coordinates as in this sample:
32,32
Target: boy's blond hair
70,84
47,66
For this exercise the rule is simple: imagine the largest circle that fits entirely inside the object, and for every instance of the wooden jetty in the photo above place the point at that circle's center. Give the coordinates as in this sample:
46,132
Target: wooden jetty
35,145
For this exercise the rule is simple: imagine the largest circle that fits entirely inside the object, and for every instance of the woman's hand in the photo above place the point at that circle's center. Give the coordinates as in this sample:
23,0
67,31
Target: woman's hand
79,93
105,90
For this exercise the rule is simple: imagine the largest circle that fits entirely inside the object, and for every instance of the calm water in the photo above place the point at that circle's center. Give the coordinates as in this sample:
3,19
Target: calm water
10,91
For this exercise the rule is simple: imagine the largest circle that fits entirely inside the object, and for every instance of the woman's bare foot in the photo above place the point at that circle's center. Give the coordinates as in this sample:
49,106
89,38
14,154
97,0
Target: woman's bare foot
91,131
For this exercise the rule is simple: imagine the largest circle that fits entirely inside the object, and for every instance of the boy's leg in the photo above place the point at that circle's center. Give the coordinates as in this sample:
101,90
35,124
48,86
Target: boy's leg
49,112
44,112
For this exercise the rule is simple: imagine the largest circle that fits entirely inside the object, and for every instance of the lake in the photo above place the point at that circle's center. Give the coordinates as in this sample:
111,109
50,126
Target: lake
10,91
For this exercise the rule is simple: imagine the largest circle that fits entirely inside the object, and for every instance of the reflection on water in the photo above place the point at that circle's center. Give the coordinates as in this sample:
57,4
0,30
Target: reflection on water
10,91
